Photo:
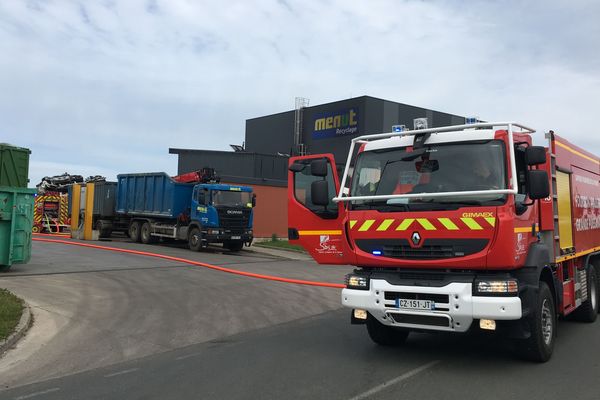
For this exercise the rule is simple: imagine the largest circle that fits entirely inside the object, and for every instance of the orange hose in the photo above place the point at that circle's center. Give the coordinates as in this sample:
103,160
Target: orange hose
196,263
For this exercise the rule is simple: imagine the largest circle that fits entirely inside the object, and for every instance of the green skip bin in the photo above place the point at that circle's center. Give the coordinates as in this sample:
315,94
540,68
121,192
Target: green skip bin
16,219
14,165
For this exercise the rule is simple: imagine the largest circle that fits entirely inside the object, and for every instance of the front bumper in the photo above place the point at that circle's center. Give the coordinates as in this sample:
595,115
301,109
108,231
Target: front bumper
455,306
246,238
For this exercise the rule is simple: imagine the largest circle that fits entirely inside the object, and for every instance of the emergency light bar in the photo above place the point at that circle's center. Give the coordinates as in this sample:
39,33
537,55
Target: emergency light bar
467,129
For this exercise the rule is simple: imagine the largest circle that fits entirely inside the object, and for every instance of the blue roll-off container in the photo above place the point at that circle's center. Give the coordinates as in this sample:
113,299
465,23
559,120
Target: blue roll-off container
152,194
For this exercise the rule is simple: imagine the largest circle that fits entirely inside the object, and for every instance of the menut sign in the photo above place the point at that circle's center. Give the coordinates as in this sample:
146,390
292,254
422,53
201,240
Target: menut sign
337,123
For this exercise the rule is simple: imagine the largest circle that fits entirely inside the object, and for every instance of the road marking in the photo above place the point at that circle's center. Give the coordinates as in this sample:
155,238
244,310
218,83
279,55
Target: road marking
187,356
127,371
28,396
394,381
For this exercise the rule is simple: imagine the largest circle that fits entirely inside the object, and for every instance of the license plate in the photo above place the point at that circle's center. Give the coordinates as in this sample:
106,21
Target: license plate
410,304
235,237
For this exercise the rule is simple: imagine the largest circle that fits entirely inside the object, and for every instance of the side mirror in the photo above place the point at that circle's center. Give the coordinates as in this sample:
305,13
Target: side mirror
296,167
537,184
318,168
319,193
253,200
535,155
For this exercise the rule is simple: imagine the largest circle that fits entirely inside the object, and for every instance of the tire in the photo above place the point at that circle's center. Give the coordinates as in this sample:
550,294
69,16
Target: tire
36,229
542,322
385,335
588,311
195,239
134,231
4,268
145,233
233,246
103,233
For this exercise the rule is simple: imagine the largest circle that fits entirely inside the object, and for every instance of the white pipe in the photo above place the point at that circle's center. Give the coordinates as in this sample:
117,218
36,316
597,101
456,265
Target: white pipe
513,166
426,195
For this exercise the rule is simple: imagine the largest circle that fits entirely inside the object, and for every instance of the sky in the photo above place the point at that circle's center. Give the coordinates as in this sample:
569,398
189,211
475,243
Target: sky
107,87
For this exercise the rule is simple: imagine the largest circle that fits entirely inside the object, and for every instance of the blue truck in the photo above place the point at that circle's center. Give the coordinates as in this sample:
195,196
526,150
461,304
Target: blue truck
149,206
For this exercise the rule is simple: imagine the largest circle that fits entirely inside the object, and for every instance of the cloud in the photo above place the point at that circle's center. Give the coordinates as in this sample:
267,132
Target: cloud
110,86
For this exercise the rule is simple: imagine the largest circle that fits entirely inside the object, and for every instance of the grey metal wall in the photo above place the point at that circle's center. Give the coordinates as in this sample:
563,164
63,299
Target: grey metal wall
249,168
271,134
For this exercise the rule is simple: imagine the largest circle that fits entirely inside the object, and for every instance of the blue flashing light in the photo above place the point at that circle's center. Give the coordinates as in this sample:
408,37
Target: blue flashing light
398,128
376,252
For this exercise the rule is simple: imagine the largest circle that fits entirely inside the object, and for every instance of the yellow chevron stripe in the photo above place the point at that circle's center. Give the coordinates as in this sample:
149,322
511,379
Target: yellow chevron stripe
366,225
385,225
472,224
352,223
491,221
405,224
448,224
428,226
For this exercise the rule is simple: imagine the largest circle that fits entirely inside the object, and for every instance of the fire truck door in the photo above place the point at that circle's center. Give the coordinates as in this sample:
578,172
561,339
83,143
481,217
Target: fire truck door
317,228
565,227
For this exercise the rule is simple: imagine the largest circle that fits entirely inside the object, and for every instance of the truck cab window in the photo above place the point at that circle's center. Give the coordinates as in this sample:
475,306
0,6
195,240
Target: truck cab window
201,196
302,184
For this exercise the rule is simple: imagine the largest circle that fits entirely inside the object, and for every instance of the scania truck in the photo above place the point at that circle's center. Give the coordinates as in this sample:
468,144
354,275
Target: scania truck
454,229
197,209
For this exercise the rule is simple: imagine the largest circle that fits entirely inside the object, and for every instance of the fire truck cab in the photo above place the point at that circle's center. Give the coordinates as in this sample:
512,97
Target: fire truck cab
455,228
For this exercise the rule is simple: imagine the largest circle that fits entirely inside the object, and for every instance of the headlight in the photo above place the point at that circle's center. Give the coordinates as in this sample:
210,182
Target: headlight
357,282
496,287
249,232
213,232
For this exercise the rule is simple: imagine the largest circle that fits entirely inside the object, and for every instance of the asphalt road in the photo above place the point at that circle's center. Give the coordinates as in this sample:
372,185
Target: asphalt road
95,308
313,353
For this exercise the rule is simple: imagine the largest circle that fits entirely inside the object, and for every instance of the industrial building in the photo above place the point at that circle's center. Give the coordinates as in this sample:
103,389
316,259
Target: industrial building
271,139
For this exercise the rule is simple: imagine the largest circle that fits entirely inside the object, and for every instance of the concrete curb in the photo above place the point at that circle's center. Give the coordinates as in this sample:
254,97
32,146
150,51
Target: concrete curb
280,253
22,327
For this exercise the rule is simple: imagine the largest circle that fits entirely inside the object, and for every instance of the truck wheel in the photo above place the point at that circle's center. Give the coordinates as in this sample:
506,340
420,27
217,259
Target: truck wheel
233,246
134,231
102,231
385,335
588,311
195,239
145,233
542,322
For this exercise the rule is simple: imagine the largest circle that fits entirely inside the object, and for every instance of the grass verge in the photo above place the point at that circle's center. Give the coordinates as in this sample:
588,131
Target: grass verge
280,244
11,308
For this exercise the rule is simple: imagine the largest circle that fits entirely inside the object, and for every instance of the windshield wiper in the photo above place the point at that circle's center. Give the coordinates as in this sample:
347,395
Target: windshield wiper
472,202
365,204
380,205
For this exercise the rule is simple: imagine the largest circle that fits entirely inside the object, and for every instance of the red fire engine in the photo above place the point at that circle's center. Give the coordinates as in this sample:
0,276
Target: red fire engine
456,228
51,213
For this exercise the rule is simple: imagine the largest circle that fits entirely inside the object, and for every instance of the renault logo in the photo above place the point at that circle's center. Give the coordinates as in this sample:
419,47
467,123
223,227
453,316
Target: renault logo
416,238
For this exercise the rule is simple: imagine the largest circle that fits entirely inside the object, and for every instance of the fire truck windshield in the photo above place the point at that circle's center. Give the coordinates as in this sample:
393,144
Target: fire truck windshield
229,198
437,168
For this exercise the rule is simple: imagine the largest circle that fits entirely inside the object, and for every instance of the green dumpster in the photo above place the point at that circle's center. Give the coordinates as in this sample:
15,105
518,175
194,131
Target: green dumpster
14,165
16,219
